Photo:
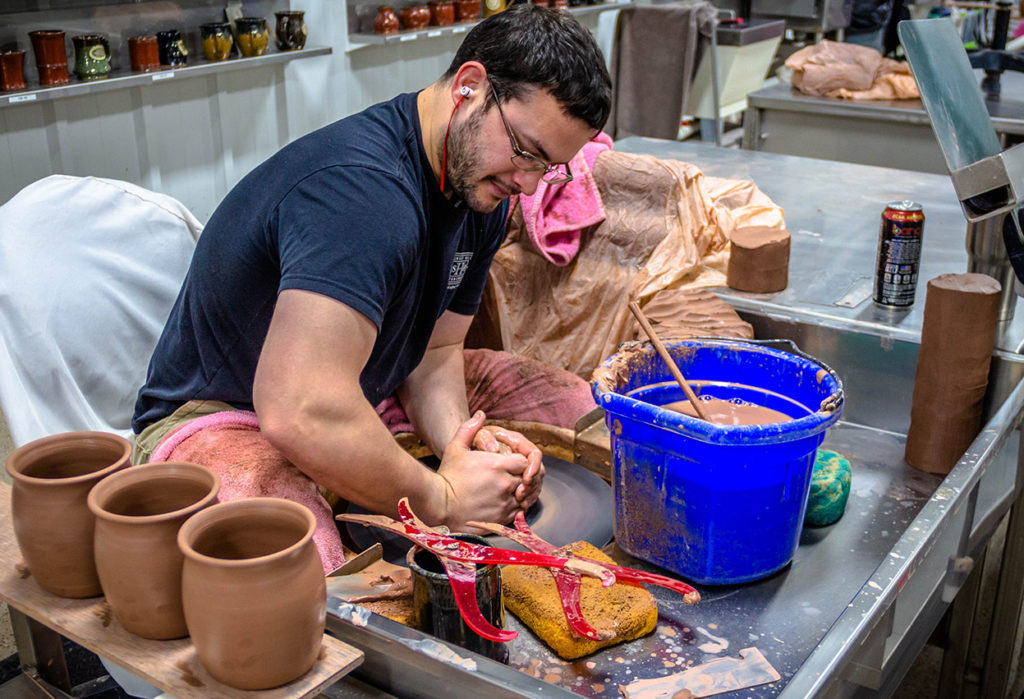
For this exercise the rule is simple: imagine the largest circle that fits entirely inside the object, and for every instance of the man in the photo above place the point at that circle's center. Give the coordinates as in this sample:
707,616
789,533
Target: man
348,266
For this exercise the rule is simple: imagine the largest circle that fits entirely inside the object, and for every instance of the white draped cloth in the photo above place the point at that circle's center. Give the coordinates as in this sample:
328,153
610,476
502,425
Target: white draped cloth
89,270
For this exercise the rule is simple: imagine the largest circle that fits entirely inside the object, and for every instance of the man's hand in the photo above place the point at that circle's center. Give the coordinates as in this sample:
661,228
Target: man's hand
498,440
481,485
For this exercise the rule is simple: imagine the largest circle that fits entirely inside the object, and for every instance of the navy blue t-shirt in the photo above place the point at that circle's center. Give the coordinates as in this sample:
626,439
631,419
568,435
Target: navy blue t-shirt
351,211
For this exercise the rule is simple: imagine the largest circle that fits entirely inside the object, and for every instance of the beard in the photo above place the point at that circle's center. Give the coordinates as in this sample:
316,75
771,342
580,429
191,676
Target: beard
462,168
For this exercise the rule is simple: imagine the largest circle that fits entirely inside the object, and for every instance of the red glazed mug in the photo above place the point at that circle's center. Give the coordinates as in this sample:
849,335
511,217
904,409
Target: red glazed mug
51,56
442,12
12,70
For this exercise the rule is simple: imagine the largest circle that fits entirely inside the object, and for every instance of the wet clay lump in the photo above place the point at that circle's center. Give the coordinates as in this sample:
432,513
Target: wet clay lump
960,316
758,259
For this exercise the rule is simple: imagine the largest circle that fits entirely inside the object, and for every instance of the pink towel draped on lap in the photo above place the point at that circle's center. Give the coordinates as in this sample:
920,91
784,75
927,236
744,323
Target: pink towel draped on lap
231,444
556,214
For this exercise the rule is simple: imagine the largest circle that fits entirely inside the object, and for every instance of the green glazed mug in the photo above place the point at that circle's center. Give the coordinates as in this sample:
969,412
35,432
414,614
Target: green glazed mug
92,56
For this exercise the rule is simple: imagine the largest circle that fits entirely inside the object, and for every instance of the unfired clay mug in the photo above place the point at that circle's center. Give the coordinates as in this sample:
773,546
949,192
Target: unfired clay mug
139,511
51,480
253,590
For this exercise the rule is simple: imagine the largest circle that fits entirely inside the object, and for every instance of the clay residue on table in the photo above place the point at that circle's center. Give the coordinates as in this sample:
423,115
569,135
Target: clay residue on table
718,676
105,614
187,676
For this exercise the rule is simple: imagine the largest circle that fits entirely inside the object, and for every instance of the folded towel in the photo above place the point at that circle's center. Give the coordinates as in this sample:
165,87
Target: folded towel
556,214
231,444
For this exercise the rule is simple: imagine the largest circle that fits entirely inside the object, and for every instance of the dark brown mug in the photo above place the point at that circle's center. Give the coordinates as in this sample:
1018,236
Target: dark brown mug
51,56
291,30
144,53
12,70
171,48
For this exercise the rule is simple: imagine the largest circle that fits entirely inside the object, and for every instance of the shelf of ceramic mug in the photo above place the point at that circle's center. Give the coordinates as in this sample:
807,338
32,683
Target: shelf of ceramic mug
118,81
358,41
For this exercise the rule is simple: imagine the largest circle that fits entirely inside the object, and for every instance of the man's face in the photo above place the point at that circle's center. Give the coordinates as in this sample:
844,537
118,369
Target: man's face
479,164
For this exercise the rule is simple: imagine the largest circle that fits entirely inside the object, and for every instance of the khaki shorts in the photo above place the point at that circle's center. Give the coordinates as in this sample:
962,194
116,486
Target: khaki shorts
150,438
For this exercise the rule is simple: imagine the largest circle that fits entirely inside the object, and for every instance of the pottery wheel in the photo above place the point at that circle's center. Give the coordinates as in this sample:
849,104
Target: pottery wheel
575,505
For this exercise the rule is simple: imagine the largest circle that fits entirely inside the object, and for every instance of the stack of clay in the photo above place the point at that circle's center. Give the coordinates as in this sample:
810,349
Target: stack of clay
758,259
960,317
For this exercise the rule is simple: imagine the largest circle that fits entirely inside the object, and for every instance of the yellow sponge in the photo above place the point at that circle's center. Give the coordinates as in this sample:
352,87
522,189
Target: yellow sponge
626,611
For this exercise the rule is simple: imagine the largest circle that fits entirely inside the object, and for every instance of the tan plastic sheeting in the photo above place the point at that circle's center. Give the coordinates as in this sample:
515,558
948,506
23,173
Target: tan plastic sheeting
667,227
850,71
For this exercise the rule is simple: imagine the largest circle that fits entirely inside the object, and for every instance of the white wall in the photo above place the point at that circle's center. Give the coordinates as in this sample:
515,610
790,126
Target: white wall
193,138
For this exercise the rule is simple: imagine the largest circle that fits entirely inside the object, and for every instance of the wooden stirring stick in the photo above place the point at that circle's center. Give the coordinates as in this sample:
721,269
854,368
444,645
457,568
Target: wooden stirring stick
634,307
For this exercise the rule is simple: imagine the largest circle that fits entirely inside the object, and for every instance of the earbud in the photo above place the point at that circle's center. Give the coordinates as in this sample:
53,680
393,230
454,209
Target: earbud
465,91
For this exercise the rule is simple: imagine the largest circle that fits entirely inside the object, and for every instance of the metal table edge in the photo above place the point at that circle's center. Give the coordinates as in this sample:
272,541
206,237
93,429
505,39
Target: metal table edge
837,649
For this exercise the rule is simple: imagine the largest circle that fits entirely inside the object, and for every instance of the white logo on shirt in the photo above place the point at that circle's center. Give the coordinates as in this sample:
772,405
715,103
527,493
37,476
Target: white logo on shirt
459,266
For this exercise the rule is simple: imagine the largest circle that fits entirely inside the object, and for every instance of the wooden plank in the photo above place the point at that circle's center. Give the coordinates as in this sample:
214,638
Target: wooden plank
170,665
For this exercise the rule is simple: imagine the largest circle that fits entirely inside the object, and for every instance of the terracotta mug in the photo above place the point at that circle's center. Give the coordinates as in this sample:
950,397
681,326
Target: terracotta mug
252,36
386,21
12,70
92,56
51,56
51,480
442,12
217,40
144,53
253,591
291,30
138,513
436,610
171,48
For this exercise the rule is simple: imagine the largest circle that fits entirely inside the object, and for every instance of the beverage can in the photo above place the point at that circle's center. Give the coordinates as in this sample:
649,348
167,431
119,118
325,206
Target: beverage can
899,254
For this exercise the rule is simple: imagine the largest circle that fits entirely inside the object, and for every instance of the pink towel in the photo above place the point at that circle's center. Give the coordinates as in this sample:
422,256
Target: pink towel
231,444
556,214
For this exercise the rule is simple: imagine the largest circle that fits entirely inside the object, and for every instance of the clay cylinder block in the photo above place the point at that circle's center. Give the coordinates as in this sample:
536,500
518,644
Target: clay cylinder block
759,260
960,316
253,591
138,514
51,480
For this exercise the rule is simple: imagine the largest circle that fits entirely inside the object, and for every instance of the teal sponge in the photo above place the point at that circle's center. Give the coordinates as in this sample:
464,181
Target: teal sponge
830,488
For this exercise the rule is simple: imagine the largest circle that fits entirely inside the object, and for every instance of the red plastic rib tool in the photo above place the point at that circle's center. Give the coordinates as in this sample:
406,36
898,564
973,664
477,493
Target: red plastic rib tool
459,559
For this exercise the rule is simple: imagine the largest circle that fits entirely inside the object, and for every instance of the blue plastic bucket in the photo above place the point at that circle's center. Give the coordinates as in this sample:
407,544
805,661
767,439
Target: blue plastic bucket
716,504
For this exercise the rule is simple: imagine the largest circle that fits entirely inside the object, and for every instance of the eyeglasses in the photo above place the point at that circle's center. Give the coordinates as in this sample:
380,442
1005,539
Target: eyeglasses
528,162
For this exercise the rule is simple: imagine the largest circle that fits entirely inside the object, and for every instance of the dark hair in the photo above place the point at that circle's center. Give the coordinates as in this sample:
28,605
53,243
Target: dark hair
530,45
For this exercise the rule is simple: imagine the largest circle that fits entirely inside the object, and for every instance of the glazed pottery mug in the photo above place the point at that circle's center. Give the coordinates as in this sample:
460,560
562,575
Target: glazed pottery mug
253,590
139,511
386,21
252,36
171,48
436,611
442,12
12,70
51,479
144,53
51,56
217,40
291,30
92,56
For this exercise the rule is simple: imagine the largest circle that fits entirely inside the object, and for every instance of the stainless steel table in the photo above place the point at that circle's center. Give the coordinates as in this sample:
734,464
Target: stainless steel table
861,596
888,133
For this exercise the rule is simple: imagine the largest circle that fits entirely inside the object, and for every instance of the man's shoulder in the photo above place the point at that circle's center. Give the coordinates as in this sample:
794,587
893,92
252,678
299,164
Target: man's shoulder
380,137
